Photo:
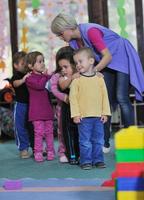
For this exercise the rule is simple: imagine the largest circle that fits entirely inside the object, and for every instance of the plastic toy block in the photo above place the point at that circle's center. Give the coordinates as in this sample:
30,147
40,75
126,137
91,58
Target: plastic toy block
129,155
129,138
130,195
130,184
129,170
12,185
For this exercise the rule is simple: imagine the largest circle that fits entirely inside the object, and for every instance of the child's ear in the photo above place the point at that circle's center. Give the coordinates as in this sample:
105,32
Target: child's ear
30,66
92,61
15,66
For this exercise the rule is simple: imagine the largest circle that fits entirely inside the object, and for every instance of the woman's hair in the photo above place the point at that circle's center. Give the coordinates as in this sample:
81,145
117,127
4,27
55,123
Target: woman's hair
31,58
65,53
62,22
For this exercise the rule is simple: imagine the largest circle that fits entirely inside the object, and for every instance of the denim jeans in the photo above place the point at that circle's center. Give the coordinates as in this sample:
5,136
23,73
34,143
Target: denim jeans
91,140
118,86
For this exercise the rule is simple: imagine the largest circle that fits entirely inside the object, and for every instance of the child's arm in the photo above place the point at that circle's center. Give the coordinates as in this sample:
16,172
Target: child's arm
54,88
17,83
74,105
64,82
37,84
105,106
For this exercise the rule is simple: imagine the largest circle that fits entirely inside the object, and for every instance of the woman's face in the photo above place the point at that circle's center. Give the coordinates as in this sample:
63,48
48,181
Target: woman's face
66,67
66,35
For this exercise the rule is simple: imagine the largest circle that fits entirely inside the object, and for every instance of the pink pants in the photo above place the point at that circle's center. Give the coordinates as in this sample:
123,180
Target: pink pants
61,148
43,129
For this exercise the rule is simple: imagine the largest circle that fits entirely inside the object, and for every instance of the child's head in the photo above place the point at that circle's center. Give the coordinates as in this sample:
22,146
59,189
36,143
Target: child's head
35,62
84,59
64,61
63,22
19,61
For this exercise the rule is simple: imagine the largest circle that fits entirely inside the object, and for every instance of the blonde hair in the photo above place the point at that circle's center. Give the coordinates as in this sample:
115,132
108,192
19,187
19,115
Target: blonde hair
62,22
88,51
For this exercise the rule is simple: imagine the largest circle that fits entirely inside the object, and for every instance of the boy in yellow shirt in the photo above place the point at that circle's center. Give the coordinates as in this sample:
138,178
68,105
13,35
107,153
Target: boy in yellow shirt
89,109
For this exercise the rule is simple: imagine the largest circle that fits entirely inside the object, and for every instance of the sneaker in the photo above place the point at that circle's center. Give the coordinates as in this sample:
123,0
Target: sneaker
100,165
106,149
86,166
38,157
44,153
73,161
63,159
50,156
24,154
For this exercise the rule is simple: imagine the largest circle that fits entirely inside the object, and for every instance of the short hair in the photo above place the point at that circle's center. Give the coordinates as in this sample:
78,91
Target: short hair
31,57
87,50
18,56
62,22
65,53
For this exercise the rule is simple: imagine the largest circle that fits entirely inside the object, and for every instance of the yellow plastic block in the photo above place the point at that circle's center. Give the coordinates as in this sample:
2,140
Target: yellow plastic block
130,195
130,138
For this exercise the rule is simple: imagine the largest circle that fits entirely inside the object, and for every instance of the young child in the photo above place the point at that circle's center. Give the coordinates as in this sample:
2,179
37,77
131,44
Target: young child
65,65
21,104
89,109
52,86
40,108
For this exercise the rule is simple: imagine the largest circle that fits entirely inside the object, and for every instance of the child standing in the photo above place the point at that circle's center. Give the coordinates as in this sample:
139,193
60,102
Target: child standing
40,108
52,86
21,104
89,109
65,65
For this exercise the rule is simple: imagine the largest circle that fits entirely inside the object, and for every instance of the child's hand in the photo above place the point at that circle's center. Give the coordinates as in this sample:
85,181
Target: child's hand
27,75
77,120
66,99
104,118
76,75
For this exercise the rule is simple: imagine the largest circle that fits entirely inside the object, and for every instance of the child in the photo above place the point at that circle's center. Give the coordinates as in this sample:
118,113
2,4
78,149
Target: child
65,65
40,108
89,109
21,104
52,86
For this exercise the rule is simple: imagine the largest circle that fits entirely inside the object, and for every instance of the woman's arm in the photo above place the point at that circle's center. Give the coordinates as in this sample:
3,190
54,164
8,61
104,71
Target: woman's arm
106,58
96,38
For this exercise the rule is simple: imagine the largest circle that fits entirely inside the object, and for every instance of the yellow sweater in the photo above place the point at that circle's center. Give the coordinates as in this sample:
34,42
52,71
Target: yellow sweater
88,97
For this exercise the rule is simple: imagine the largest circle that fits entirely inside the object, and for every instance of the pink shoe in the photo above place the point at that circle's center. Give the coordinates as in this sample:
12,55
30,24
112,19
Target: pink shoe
50,156
38,157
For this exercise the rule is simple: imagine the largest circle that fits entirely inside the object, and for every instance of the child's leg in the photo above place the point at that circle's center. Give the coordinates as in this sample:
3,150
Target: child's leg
97,141
38,140
61,147
85,131
49,137
21,132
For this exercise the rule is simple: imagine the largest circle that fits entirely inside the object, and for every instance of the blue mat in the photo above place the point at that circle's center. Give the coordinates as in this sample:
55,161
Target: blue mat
58,189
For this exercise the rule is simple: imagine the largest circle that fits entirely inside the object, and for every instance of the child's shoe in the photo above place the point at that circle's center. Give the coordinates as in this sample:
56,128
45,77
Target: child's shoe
86,166
24,154
38,157
100,165
106,149
50,156
63,159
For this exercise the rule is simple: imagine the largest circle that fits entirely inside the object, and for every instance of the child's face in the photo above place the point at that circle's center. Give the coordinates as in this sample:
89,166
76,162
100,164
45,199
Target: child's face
83,63
66,67
39,65
20,66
